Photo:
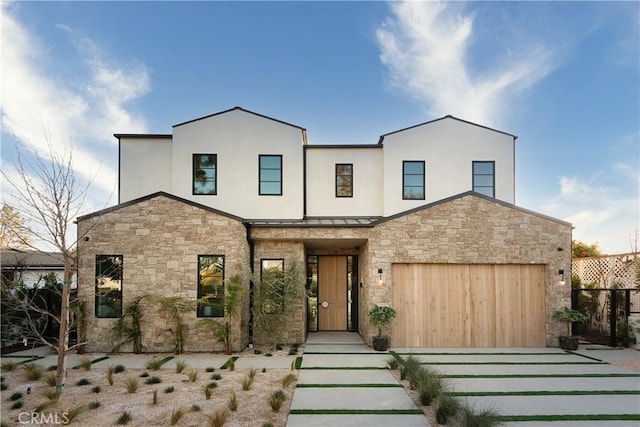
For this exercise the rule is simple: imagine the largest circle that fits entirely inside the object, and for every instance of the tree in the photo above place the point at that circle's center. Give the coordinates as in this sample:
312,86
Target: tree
48,196
13,231
580,249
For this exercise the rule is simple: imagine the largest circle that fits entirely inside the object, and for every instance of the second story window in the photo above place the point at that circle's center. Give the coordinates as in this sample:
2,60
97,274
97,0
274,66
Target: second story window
205,167
413,180
270,175
484,178
344,180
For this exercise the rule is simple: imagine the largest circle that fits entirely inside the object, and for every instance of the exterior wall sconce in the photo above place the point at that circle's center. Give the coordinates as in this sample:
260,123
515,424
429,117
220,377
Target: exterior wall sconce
561,273
379,275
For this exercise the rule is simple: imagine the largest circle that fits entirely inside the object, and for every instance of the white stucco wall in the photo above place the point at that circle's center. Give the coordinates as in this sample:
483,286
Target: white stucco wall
321,181
33,278
238,138
145,166
448,147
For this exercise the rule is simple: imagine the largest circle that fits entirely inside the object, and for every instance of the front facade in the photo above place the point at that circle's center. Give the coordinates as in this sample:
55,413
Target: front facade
423,221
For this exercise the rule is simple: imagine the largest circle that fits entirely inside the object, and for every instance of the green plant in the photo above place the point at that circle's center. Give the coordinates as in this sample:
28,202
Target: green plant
472,417
209,369
118,368
156,363
246,383
252,373
231,365
51,395
195,408
393,364
154,398
208,390
8,366
218,418
267,424
233,402
216,377
381,316
94,405
124,418
17,404
109,374
145,374
50,379
448,408
288,380
177,307
83,381
192,375
276,399
15,396
96,389
176,414
180,366
153,380
76,411
45,405
4,386
131,384
32,371
568,316
85,363
127,329
409,368
169,389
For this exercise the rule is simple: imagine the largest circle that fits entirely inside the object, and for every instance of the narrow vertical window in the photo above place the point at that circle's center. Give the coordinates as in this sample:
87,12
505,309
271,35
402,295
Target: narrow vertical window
484,178
108,286
270,179
205,174
413,180
344,180
211,285
273,284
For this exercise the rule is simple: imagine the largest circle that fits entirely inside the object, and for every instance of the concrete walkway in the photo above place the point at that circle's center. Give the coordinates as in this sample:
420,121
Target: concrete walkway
344,383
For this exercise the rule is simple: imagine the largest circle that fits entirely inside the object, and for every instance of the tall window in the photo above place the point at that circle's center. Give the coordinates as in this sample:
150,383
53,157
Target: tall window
484,178
344,180
108,286
272,284
205,167
211,285
270,175
413,180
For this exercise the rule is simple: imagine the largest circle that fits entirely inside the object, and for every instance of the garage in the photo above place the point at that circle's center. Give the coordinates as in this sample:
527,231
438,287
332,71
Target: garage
469,305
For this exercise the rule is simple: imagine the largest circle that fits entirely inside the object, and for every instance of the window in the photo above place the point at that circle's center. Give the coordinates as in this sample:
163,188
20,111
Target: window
108,286
344,180
211,285
272,284
413,180
205,167
270,175
484,178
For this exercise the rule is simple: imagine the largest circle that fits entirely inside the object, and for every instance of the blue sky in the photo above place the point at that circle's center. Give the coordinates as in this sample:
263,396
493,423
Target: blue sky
563,76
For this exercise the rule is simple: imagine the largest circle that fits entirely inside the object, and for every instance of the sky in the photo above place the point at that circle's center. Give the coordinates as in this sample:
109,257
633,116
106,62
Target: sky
562,76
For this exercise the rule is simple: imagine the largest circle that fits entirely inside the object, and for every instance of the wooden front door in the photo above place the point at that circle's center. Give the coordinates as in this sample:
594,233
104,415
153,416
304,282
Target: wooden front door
332,293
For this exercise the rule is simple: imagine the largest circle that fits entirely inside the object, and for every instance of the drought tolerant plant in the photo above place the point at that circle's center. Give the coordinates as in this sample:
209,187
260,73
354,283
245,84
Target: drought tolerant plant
195,408
169,389
17,404
154,398
15,396
127,328
94,405
192,375
8,366
176,414
145,374
288,380
218,418
409,367
276,399
124,418
153,380
109,373
50,379
246,383
448,407
51,395
429,386
155,363
209,369
76,411
392,362
472,417
233,402
96,389
118,368
32,371
177,307
216,377
180,366
208,390
131,384
85,363
45,405
83,381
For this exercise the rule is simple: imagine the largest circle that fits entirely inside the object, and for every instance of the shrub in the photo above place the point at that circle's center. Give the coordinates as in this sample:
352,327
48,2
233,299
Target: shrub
153,380
169,389
448,408
155,363
208,390
118,369
279,346
233,402
180,365
216,377
145,374
76,411
17,404
8,366
429,386
210,369
288,380
83,381
131,384
109,373
50,379
393,363
154,398
409,368
473,417
176,414
85,363
195,408
276,400
218,418
124,418
51,395
15,396
192,375
96,389
32,371
45,405
94,405
246,383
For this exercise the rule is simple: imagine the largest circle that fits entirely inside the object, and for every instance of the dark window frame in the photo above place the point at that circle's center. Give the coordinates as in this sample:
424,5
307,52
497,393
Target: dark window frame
338,176
200,310
194,174
261,181
277,306
404,176
98,297
493,177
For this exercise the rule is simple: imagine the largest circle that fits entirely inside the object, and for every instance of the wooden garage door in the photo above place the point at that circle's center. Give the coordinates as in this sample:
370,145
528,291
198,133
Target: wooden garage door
455,305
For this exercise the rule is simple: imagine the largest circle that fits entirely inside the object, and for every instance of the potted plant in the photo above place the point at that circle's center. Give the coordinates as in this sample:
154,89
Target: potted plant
381,316
569,316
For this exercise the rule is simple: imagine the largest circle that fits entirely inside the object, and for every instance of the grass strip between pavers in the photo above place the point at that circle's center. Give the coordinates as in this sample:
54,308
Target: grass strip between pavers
33,359
99,359
570,417
573,353
298,362
351,353
228,363
541,376
545,393
346,368
356,412
512,363
358,385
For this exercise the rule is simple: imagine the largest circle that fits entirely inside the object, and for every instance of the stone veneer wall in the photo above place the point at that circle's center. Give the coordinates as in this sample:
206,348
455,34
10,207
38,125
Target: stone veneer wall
160,239
471,230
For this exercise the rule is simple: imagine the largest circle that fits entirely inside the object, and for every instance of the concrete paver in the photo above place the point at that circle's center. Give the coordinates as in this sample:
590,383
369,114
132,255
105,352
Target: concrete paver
352,398
477,385
358,376
357,420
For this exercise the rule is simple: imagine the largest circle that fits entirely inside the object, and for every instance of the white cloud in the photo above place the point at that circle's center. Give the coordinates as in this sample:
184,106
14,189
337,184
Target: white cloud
425,48
84,113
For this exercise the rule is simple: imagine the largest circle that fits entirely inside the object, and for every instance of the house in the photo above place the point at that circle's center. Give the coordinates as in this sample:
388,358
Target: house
424,220
29,267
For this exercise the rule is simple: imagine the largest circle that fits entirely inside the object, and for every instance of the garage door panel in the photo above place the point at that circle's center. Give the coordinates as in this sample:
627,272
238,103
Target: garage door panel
454,305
